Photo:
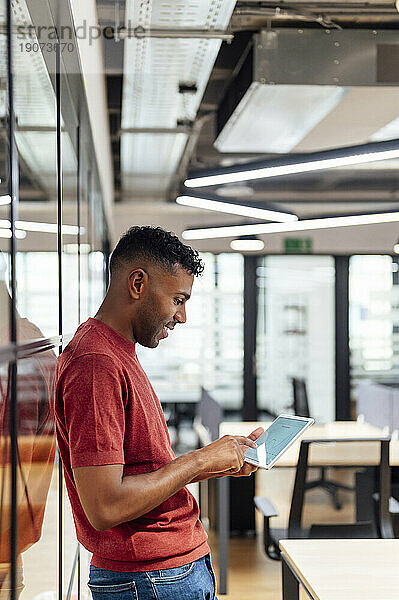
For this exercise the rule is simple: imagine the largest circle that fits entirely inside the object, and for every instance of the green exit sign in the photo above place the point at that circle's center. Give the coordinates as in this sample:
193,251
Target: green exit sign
298,245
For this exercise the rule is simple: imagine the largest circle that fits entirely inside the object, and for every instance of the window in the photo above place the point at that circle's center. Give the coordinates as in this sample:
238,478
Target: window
207,350
295,333
373,323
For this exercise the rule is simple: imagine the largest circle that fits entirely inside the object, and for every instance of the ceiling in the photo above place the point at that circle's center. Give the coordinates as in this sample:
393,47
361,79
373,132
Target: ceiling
160,132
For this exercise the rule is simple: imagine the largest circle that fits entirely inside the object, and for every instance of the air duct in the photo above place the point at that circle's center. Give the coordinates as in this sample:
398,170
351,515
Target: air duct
311,90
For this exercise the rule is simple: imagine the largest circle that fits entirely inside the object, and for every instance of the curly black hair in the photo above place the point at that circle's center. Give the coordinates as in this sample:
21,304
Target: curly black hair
158,245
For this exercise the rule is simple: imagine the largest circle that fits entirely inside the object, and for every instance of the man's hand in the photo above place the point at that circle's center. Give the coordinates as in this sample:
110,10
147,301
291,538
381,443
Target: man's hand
242,444
247,469
224,456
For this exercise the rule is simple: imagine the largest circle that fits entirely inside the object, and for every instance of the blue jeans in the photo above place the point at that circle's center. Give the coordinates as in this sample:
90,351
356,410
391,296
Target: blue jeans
195,581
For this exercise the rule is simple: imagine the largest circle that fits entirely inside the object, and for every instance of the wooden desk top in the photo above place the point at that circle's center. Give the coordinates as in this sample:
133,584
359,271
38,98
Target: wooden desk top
345,569
340,454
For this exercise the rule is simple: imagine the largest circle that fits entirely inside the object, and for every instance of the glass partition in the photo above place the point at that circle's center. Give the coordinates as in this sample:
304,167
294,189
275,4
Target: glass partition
84,248
296,333
36,142
37,481
48,194
70,208
5,199
6,363
5,477
373,330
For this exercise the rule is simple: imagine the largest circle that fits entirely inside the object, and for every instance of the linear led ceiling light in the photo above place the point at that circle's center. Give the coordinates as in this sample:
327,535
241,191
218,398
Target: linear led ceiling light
49,227
247,244
305,225
75,248
315,161
43,227
236,209
6,233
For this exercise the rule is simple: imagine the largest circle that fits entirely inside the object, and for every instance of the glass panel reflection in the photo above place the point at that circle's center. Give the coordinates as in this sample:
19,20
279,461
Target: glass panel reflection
97,234
34,101
5,479
4,182
37,486
91,238
85,247
37,281
36,141
4,300
36,543
38,296
70,264
69,549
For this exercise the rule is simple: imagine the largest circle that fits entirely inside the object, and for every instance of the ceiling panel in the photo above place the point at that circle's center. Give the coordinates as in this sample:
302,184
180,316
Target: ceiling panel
154,158
153,70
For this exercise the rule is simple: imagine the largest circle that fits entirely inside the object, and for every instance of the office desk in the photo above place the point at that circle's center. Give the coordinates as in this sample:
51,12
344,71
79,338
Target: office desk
341,455
341,569
325,456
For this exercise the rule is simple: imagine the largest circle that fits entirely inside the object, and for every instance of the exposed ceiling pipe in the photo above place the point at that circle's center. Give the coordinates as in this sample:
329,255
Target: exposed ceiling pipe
184,33
278,12
347,13
157,130
188,151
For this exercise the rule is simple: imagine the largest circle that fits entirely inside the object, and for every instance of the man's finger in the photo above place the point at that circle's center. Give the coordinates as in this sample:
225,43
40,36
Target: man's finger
256,433
246,470
245,441
241,451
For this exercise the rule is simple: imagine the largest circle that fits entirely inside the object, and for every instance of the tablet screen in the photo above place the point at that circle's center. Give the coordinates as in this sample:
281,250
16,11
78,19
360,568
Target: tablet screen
280,433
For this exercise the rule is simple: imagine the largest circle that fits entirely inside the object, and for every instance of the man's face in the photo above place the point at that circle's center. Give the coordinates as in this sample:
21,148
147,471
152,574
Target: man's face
163,305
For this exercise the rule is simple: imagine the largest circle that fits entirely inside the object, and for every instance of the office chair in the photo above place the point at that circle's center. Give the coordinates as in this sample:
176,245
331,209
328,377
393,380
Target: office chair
301,408
379,527
209,416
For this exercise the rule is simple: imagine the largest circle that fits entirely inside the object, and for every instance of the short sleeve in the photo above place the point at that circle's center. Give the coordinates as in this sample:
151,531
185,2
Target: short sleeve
94,411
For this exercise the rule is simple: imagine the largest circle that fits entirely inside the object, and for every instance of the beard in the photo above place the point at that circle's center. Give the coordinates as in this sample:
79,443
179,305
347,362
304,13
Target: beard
149,326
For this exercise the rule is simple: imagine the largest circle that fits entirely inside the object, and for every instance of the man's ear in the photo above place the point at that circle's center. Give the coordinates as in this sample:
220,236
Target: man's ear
138,281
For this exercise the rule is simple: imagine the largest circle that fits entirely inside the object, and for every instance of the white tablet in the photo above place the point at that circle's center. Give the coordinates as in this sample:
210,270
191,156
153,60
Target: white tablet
276,439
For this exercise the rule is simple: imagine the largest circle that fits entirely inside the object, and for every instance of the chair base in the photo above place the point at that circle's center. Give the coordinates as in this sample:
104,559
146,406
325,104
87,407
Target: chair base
331,487
271,542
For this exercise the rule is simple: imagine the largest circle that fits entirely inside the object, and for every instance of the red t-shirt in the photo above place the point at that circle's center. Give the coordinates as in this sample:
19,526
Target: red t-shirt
108,413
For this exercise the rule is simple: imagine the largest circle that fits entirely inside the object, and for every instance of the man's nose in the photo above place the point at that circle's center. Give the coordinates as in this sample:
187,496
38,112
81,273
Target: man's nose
180,315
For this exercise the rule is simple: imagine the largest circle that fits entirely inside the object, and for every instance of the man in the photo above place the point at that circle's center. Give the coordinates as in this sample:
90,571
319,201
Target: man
127,490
